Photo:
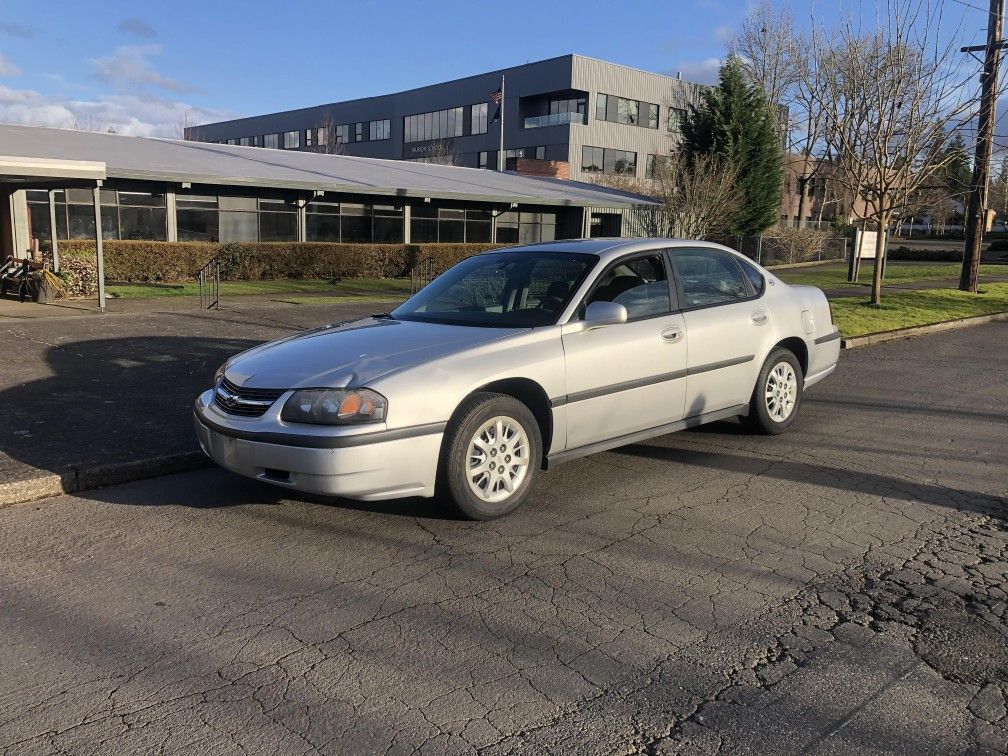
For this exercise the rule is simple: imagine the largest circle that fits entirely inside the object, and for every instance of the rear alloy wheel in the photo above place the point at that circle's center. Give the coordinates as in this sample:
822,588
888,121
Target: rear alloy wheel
777,396
492,456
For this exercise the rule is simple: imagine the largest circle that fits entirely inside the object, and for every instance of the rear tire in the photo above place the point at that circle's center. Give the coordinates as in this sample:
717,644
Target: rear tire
776,399
491,456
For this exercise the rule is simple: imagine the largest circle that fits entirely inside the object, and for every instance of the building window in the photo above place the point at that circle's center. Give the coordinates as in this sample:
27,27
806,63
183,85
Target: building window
599,160
478,118
653,161
342,133
574,105
622,110
271,141
277,220
591,159
124,215
354,222
309,138
676,116
525,227
196,218
540,152
441,124
431,223
379,130
652,116
482,160
292,140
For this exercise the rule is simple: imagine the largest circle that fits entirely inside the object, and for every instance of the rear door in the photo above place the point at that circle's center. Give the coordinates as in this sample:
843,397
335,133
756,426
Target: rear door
631,376
727,327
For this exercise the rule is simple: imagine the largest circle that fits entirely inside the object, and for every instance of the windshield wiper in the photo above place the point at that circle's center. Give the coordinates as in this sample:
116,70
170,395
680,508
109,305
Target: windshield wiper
383,316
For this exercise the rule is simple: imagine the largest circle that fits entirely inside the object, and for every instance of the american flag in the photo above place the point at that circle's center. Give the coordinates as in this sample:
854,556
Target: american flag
495,96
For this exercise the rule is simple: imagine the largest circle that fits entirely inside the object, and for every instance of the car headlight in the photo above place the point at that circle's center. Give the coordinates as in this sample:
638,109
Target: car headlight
218,375
335,406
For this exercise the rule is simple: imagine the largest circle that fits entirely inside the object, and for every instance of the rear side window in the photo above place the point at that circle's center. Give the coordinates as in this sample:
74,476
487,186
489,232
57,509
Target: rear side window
709,277
754,276
640,285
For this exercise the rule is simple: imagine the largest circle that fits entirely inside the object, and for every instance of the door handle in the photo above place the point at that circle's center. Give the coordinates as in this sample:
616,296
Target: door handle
759,317
671,335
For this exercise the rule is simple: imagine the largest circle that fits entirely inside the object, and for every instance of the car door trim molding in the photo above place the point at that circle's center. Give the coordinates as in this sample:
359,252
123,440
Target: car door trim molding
615,388
323,442
630,438
828,337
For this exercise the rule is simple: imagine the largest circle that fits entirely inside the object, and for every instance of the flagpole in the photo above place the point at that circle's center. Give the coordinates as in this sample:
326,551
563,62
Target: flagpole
500,152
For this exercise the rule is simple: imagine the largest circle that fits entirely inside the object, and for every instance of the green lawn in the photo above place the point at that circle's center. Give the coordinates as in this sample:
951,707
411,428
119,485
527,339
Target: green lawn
362,287
835,276
855,316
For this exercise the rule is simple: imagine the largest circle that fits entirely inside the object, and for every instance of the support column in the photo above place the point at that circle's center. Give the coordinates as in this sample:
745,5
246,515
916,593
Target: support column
171,232
406,218
302,220
96,195
53,236
493,225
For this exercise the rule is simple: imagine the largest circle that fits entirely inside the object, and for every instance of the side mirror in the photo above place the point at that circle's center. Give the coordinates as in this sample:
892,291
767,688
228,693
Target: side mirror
600,314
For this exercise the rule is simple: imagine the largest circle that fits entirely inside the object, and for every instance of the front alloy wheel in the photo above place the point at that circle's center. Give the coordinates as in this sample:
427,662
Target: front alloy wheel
498,459
491,456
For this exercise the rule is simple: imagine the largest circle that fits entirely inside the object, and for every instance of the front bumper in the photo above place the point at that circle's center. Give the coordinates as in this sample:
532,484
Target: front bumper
372,465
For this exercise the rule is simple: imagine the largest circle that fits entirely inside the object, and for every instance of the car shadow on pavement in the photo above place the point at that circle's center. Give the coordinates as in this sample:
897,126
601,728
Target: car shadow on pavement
851,481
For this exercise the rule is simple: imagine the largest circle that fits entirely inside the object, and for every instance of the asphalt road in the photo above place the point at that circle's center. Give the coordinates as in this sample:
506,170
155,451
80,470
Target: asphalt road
840,589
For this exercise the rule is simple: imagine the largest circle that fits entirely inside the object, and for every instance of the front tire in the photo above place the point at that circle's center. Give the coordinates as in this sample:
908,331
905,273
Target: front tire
776,399
491,457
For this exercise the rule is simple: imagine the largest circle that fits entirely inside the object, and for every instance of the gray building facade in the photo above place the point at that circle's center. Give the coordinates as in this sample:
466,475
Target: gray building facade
576,116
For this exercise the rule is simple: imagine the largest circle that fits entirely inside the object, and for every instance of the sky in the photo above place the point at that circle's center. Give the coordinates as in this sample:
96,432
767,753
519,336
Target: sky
143,68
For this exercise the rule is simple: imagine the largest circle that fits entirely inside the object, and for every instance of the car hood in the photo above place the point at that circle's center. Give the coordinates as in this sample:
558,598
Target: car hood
352,354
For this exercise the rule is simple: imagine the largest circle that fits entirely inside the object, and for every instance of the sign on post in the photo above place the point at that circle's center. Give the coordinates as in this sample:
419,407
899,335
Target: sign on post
865,243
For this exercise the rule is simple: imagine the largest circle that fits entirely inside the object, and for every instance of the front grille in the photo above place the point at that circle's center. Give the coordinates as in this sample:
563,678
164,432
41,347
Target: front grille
247,402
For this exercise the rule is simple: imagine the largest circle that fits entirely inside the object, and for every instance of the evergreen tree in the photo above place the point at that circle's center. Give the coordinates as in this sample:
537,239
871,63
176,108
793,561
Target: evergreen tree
734,123
958,172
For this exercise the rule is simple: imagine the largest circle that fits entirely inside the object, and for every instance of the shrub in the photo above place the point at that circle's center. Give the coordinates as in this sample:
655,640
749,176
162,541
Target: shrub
156,262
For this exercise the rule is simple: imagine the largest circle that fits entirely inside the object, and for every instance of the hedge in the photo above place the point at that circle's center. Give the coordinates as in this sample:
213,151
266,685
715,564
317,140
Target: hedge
154,261
925,255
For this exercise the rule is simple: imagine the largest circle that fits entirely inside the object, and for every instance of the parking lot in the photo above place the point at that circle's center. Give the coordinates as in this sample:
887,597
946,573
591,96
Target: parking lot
838,589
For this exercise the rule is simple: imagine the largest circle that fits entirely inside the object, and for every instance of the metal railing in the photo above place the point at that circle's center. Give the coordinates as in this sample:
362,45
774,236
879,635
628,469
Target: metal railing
209,285
421,274
553,119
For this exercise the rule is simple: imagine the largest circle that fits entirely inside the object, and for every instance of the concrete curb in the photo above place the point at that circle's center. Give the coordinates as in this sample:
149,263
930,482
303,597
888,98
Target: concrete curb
809,264
882,337
99,476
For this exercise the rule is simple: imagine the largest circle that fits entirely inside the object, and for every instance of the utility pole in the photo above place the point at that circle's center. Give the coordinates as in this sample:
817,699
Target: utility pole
977,209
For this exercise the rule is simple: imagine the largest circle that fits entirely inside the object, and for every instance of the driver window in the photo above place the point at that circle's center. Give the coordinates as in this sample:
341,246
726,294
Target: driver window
640,285
709,277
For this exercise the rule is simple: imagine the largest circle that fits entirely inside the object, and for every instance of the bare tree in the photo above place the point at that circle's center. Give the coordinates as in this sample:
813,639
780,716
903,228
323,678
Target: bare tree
888,98
186,123
696,196
327,135
442,152
83,121
765,45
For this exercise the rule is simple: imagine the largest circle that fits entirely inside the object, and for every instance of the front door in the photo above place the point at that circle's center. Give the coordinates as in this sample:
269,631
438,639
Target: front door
728,327
632,376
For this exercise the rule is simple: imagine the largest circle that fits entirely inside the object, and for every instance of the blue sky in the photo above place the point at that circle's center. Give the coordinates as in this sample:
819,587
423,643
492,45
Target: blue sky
139,66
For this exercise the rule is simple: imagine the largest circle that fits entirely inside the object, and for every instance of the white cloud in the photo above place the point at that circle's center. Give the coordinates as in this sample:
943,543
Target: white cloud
723,33
132,114
129,67
7,68
701,71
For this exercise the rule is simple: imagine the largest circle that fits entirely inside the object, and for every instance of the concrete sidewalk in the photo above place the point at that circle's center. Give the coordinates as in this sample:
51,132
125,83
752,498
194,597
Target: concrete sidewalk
80,390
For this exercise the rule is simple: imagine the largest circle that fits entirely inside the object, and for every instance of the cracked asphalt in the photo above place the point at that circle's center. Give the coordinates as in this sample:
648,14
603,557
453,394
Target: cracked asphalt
839,589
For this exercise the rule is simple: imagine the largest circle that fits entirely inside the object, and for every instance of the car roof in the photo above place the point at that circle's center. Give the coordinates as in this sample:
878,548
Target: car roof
609,248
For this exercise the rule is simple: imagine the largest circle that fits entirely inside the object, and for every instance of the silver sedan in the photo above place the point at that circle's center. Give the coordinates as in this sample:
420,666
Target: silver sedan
517,360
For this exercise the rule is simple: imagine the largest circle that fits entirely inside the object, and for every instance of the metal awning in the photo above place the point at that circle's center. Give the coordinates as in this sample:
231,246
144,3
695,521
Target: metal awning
25,171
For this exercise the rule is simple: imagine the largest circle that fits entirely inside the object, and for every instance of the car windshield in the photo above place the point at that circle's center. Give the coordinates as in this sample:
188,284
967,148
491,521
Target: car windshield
501,290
